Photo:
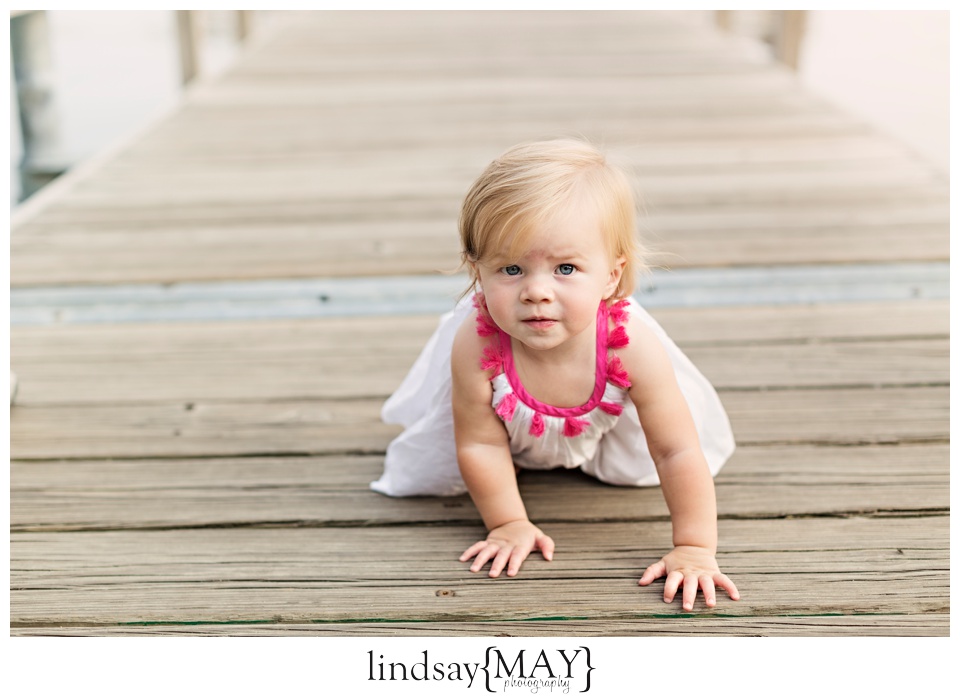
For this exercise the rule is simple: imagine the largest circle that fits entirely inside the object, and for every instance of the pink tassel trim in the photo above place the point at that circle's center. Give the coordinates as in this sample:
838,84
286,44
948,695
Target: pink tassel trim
616,374
618,338
573,427
507,406
618,312
485,325
611,408
485,328
492,359
536,425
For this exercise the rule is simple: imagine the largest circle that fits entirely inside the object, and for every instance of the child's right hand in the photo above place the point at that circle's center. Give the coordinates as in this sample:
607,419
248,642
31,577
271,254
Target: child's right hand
509,543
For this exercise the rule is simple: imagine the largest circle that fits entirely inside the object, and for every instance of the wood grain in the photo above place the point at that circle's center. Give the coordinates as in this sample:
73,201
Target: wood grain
305,575
736,348
899,625
757,483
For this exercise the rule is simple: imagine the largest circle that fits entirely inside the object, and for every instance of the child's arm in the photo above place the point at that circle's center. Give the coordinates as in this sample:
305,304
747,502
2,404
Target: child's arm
684,477
483,453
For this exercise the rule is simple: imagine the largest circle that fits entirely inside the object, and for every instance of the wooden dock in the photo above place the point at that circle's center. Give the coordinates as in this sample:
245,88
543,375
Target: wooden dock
212,478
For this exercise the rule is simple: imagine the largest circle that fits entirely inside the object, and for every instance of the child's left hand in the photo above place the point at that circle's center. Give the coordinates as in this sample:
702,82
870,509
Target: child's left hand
695,568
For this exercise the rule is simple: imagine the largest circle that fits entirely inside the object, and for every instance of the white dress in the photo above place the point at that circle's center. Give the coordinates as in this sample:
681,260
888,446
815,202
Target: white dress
603,437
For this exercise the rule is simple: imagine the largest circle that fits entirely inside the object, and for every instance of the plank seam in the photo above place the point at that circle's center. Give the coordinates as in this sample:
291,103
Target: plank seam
878,513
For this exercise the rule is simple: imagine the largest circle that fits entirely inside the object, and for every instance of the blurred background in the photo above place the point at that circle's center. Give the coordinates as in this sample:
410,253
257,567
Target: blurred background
83,80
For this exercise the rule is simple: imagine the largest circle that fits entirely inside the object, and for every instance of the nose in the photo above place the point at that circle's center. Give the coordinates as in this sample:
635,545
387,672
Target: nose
536,290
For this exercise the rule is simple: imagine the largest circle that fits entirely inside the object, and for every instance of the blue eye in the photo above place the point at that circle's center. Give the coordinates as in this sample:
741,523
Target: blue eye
511,270
566,269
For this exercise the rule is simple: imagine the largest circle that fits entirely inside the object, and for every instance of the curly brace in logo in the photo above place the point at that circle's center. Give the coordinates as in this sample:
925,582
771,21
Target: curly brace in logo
558,670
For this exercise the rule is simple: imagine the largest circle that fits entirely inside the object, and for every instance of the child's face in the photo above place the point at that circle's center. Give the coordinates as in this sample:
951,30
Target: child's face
549,294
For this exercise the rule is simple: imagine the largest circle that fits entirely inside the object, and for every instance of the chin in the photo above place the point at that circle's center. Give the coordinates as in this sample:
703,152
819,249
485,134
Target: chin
542,343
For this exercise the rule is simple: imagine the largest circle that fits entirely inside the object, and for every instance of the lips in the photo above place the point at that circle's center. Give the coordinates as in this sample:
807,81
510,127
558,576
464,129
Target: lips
539,323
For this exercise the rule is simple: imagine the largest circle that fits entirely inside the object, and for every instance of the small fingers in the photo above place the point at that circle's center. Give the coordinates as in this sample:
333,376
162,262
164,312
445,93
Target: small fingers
709,591
690,585
727,584
483,556
517,557
670,586
546,546
503,555
472,551
653,572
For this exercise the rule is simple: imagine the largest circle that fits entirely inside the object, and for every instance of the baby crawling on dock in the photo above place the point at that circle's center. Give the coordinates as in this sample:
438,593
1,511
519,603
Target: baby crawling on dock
548,362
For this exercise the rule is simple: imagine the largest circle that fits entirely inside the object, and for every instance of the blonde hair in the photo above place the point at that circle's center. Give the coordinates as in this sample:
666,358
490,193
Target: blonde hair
530,184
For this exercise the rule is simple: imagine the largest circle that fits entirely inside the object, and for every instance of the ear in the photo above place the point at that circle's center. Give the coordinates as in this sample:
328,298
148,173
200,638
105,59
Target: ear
615,275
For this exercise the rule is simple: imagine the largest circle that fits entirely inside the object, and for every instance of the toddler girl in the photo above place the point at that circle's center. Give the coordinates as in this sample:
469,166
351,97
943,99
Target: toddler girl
548,363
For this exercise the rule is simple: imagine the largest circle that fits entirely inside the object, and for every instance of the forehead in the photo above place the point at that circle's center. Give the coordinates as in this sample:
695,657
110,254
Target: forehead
569,232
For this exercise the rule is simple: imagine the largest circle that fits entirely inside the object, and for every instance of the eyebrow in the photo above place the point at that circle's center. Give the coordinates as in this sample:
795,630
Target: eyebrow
567,253
564,255
561,255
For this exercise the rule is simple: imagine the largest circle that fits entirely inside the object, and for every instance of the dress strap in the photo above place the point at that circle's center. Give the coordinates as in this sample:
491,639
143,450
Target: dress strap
510,369
497,358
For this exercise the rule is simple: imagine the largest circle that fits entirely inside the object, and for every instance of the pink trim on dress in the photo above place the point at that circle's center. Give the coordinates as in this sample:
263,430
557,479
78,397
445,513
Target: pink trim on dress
498,358
600,383
485,324
616,374
507,406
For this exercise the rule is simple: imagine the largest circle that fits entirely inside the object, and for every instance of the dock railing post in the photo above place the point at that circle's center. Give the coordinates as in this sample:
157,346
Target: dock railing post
782,30
244,24
788,36
32,73
722,18
188,36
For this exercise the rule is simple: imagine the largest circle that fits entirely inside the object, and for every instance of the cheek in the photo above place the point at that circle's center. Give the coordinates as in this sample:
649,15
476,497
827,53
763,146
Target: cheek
498,302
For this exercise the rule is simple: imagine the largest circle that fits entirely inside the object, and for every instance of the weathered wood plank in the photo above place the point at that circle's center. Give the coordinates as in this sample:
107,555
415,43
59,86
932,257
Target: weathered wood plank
518,102
200,429
730,325
800,567
284,255
284,427
889,244
834,365
308,374
189,182
758,482
286,251
900,625
527,94
805,322
675,155
341,358
324,215
839,416
864,183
